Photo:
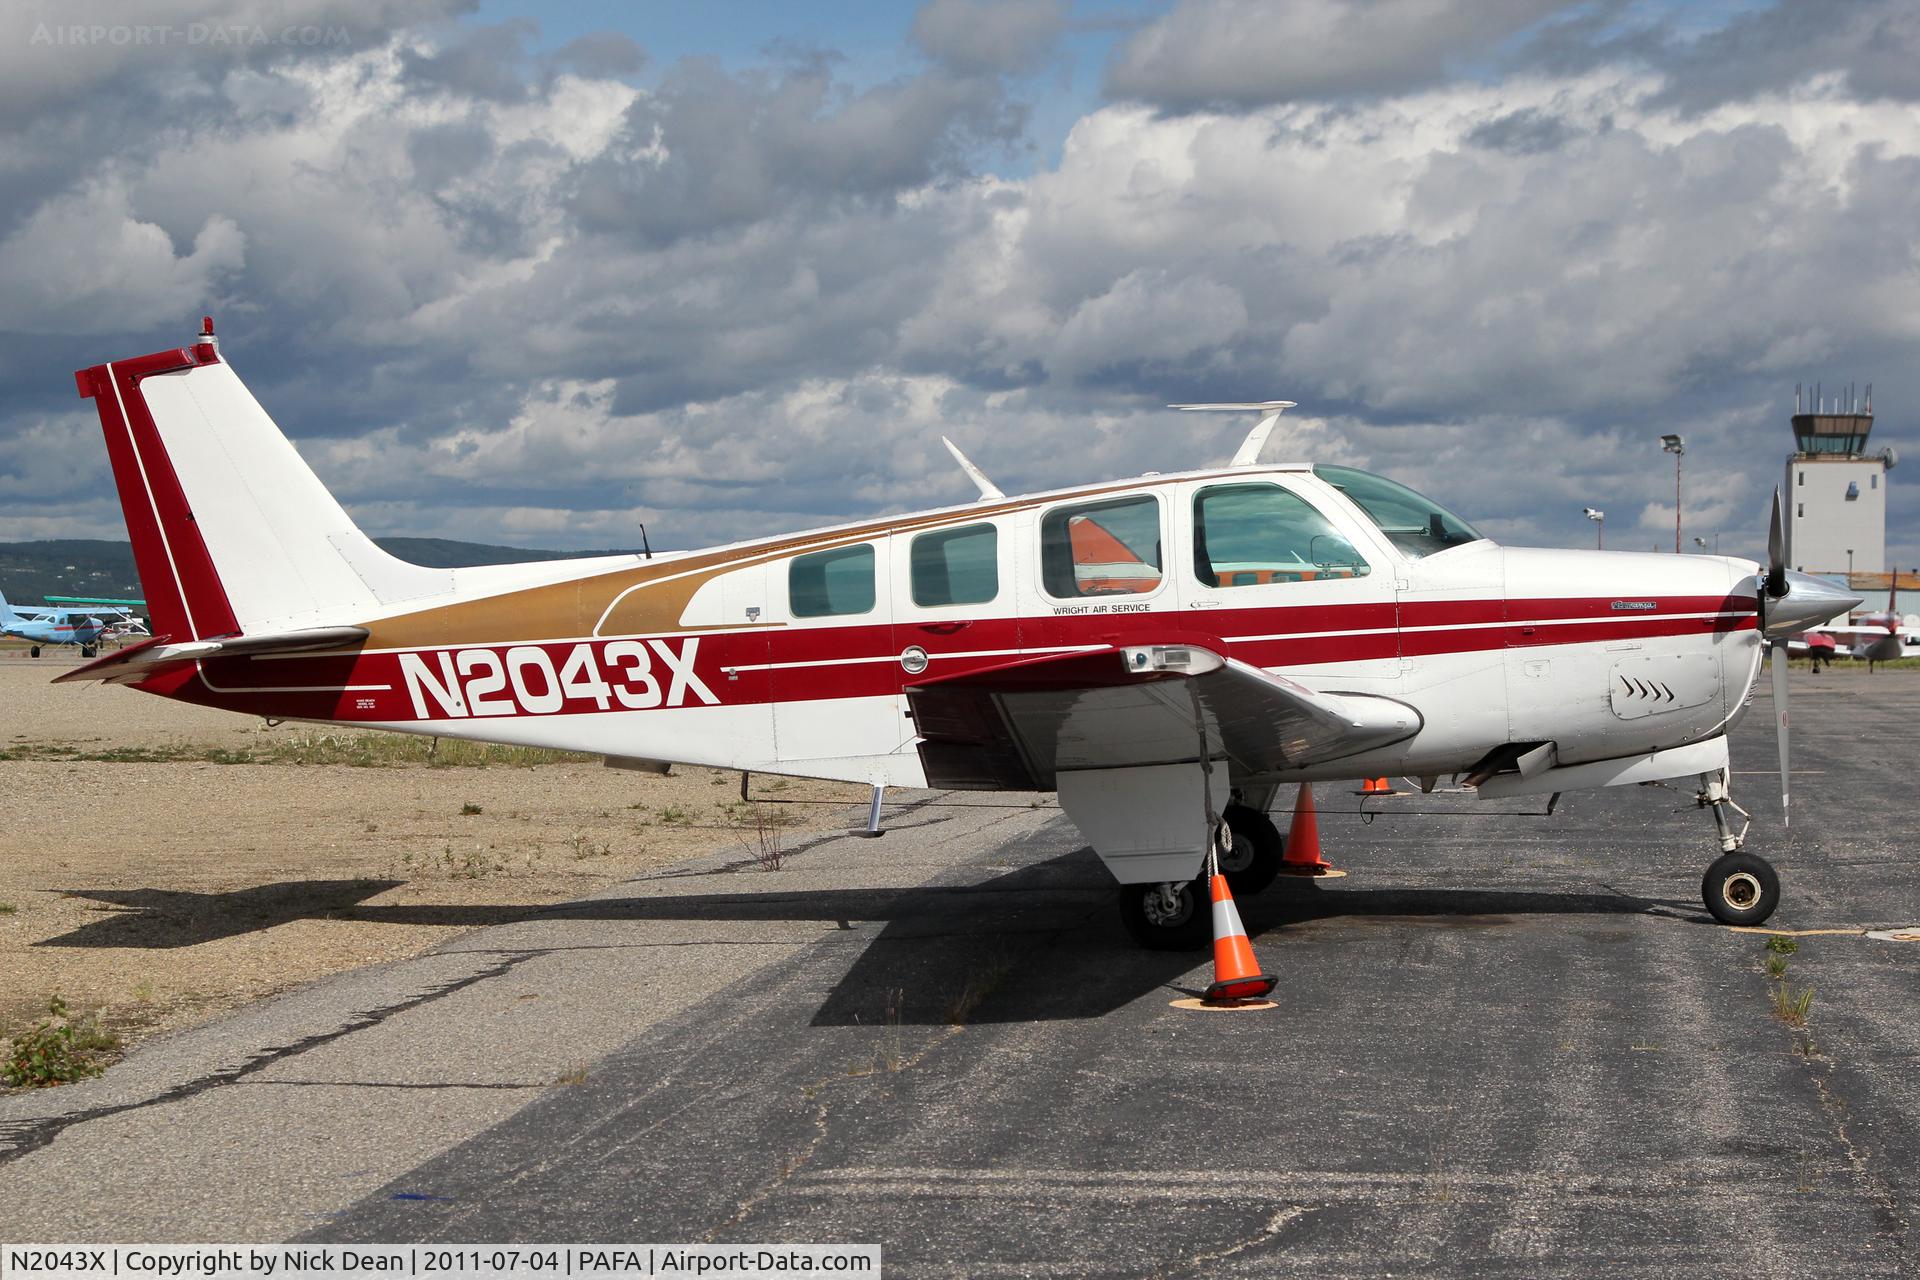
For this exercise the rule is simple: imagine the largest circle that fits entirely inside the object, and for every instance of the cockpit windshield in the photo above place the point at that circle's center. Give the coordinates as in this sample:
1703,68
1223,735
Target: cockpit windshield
1416,525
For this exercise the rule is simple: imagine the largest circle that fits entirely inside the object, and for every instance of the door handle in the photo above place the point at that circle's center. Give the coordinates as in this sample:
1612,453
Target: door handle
944,628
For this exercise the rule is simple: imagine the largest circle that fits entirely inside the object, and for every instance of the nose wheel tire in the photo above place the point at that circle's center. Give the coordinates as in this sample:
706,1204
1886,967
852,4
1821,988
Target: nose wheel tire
1167,917
1252,858
1741,888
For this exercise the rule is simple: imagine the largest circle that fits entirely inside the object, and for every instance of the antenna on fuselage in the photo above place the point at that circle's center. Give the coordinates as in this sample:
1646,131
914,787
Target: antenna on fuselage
988,489
1248,453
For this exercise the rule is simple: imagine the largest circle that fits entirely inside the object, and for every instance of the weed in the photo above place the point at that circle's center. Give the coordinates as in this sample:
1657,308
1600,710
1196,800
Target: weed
469,809
760,833
1791,1007
583,848
7,908
674,816
143,992
56,1050
1776,967
778,784
980,984
1782,946
892,1054
576,1074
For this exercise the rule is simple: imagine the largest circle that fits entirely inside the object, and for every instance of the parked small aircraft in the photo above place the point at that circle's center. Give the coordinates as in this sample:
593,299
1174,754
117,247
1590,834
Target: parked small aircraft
1877,637
1165,652
42,627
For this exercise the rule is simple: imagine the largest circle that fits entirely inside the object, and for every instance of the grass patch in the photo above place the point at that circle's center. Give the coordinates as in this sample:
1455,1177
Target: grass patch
1791,1007
57,1050
469,809
1776,967
981,983
1782,946
7,908
365,750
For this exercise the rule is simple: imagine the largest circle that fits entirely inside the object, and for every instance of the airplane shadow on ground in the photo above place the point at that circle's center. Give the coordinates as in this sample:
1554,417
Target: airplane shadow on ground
1038,943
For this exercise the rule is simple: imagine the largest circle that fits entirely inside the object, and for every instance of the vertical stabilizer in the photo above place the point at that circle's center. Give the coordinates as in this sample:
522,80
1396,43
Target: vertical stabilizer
231,530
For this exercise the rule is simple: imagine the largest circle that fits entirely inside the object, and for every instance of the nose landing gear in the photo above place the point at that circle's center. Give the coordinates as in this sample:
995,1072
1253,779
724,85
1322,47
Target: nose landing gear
1739,888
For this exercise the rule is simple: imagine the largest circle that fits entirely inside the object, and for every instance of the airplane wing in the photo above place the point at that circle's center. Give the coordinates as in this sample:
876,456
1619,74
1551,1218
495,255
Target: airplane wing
138,661
1019,724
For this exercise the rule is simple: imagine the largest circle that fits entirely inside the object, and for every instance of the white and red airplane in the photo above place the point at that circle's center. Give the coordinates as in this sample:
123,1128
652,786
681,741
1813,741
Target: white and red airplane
1165,652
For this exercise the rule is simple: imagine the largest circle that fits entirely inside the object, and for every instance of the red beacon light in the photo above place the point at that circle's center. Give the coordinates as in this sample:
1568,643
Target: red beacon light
206,338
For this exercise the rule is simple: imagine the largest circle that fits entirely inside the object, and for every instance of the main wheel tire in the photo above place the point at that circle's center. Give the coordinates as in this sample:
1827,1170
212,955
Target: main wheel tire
1741,888
87,651
34,652
1253,860
1188,927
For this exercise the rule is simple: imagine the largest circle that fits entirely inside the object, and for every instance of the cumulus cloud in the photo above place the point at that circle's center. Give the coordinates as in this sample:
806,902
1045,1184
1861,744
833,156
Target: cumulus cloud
1250,53
489,288
984,36
85,263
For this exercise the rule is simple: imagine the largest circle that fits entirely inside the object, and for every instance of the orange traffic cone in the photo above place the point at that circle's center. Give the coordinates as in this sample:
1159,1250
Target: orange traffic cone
1302,856
1375,787
1236,975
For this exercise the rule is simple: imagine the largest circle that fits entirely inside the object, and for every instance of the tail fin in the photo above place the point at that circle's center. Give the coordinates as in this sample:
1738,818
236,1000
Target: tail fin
6,610
232,531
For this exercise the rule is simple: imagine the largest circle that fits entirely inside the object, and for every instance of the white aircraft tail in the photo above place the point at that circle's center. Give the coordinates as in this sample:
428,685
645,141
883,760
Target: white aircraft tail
232,531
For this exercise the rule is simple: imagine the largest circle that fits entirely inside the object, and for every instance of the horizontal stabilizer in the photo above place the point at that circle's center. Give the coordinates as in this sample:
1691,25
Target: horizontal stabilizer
136,662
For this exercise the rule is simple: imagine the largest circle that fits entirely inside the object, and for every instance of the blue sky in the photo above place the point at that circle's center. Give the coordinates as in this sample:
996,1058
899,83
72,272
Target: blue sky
504,278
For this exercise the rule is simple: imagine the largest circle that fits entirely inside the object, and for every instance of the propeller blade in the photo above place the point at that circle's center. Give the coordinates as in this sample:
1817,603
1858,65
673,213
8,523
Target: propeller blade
1780,721
1777,550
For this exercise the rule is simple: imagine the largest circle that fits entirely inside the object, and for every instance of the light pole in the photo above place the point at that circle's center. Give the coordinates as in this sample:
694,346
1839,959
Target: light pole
1849,566
1678,448
1599,519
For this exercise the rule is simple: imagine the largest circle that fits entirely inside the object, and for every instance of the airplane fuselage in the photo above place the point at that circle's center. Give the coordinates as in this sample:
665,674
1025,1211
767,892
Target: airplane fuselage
794,655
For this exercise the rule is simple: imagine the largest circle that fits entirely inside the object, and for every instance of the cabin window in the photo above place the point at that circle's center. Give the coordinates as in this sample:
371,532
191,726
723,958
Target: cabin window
1416,525
1802,480
1251,535
831,584
956,566
1101,548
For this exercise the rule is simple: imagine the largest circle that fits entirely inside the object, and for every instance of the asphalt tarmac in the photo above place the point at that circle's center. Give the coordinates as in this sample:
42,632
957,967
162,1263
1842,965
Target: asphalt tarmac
1504,1045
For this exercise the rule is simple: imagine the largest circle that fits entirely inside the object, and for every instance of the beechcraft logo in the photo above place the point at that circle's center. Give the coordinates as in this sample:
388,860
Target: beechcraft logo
541,680
1620,605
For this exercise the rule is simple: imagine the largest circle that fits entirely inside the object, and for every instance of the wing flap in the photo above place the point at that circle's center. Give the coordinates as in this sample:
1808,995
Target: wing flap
1019,724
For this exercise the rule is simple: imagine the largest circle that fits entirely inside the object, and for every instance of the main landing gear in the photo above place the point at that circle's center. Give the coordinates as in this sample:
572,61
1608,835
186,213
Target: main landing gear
1177,916
1739,888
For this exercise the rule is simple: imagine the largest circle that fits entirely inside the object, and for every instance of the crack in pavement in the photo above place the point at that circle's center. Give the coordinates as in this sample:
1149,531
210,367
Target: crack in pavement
1886,1204
1280,1221
22,1138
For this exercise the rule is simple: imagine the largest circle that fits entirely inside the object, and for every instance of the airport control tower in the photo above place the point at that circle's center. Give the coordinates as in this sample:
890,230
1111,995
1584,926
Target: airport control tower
1836,494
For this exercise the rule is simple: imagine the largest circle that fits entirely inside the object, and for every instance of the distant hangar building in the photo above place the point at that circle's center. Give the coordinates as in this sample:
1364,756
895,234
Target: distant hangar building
1836,492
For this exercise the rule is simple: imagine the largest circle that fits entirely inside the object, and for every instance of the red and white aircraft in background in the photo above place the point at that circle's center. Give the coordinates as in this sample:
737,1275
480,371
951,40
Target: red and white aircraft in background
1877,637
1165,652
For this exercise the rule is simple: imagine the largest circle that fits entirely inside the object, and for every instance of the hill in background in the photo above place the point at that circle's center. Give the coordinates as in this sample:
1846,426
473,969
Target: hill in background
32,571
